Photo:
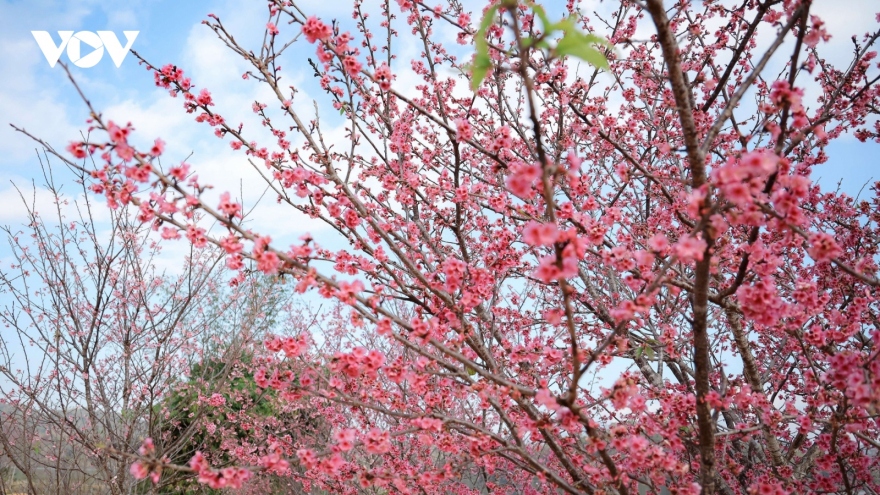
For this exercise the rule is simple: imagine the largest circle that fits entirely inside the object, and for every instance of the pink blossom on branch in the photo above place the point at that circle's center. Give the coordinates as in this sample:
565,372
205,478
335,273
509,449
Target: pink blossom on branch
503,248
315,30
538,234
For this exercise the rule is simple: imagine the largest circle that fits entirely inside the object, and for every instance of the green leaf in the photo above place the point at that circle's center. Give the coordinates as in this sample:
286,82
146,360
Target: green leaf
487,20
592,38
565,25
579,45
539,11
482,61
482,64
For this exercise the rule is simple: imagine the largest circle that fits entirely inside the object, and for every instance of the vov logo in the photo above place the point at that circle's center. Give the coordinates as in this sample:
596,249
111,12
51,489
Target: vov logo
73,42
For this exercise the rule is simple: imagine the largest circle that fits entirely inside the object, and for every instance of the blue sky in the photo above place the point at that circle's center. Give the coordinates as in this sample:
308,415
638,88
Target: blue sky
42,100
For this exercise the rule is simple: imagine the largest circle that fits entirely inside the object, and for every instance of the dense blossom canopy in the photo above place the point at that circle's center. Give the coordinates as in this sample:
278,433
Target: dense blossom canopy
562,221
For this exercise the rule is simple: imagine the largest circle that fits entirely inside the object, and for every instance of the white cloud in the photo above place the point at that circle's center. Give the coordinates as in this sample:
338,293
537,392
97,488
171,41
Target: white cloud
20,196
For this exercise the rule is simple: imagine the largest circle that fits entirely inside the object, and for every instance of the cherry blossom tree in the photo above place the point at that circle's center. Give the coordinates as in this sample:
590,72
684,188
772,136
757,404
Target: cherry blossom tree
95,337
237,423
520,224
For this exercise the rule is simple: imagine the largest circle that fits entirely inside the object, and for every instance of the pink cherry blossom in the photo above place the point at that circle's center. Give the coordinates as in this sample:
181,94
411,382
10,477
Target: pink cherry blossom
560,278
540,234
315,30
